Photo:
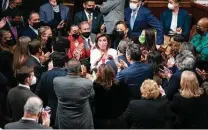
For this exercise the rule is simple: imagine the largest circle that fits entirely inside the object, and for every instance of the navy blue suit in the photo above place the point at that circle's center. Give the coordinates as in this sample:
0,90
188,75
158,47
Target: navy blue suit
30,33
144,20
183,21
45,89
96,22
133,76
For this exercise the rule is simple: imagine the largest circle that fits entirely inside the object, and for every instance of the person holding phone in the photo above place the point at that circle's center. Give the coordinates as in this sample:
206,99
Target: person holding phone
33,111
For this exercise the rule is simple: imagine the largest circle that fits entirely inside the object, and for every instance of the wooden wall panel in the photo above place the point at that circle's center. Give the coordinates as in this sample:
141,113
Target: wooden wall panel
198,11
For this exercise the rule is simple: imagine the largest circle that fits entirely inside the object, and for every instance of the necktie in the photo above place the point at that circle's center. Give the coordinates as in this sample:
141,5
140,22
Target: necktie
133,18
88,41
90,20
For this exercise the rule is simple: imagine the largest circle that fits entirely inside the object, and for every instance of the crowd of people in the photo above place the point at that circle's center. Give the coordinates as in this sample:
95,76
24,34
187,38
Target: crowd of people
107,67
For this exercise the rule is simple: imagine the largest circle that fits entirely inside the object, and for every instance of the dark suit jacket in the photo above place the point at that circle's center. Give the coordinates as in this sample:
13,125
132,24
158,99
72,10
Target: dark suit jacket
133,76
183,21
191,113
19,30
25,124
38,69
96,22
174,84
16,100
30,33
144,20
148,114
6,67
45,89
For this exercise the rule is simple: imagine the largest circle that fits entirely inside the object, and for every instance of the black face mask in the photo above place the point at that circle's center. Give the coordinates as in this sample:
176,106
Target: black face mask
199,31
91,10
50,39
120,34
36,25
16,23
10,42
75,36
86,34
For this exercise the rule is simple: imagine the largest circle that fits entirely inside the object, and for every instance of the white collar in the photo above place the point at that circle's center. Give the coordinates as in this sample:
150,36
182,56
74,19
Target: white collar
35,30
87,14
25,86
135,11
86,38
30,119
36,58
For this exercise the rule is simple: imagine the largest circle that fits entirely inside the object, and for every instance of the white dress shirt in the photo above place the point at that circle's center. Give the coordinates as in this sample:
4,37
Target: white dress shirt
35,30
174,21
87,14
25,86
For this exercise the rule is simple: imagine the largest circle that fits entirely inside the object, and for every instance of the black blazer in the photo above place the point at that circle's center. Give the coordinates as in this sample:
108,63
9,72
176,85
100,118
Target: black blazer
6,67
25,124
30,33
46,92
110,103
38,68
191,113
148,114
96,22
16,100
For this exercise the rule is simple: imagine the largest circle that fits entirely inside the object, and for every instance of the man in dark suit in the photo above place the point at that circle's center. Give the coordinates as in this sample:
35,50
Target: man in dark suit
73,93
136,73
94,17
34,24
32,111
14,22
34,60
18,96
88,37
139,18
45,86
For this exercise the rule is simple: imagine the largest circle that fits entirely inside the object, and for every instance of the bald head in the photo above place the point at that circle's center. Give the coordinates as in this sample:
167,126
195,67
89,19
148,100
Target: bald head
203,22
202,25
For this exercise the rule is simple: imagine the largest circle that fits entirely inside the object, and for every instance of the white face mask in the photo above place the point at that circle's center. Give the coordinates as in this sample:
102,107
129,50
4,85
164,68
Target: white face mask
133,6
170,6
34,80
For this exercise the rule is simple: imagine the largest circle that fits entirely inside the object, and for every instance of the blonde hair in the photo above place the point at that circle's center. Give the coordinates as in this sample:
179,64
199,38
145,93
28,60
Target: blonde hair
43,29
150,89
190,85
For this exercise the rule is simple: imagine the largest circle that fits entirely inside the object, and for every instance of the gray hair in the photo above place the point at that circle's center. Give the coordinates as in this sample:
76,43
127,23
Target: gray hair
33,105
73,66
185,60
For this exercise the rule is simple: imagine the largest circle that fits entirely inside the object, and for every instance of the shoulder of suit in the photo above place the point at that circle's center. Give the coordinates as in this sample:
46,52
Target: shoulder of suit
79,13
45,5
144,9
